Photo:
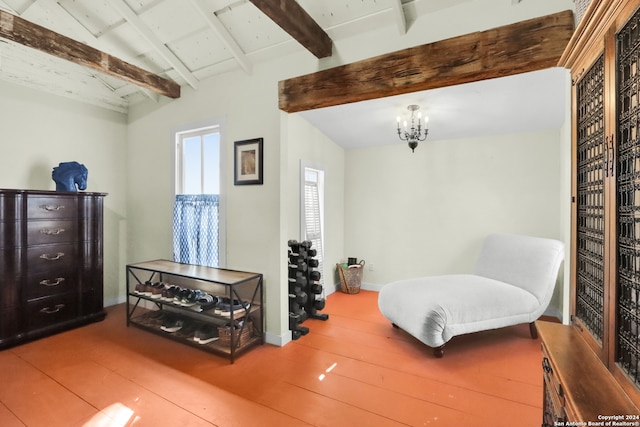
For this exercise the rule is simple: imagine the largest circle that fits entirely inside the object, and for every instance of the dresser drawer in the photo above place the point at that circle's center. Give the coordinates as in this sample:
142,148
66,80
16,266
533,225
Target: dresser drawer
52,258
53,231
553,414
51,207
49,311
51,283
555,388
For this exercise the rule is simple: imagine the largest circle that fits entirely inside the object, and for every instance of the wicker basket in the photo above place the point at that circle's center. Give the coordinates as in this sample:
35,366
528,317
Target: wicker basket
224,332
351,278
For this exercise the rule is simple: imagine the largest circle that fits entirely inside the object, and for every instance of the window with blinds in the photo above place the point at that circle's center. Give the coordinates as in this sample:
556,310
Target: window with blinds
312,218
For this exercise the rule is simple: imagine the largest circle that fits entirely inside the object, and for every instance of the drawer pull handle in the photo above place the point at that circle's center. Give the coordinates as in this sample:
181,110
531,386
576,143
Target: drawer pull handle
53,232
52,208
49,310
52,257
54,282
546,366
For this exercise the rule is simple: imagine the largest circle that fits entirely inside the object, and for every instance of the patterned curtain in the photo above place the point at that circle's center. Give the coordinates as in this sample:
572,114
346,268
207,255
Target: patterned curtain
195,229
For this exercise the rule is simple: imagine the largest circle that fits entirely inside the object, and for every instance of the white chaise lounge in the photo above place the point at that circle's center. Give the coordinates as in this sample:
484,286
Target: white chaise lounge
512,283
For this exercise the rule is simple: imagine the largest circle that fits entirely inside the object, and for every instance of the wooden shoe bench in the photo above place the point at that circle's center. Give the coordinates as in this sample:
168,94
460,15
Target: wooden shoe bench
143,311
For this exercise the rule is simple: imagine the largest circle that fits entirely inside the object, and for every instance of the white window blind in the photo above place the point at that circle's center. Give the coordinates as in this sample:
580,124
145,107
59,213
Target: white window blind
312,215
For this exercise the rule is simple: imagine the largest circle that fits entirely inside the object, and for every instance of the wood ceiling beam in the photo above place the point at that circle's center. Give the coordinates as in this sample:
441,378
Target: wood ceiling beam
292,18
21,31
525,46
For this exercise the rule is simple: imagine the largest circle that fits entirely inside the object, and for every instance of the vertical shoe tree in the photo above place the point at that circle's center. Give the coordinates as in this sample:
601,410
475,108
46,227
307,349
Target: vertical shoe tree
305,290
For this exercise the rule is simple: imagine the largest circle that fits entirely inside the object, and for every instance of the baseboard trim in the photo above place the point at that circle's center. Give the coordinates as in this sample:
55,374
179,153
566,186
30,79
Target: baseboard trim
114,301
277,340
365,286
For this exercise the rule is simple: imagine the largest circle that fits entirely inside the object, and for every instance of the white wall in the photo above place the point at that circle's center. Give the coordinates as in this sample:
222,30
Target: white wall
248,105
133,162
425,213
39,131
303,142
259,218
306,143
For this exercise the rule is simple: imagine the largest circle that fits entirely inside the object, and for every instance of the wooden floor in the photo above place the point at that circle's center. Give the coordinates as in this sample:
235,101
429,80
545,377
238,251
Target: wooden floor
352,370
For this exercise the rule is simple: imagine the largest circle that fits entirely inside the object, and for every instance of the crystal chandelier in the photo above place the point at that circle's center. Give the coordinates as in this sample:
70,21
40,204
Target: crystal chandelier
417,132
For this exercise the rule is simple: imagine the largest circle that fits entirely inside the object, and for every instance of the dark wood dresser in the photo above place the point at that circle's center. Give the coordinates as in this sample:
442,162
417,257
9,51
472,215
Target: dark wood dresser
51,267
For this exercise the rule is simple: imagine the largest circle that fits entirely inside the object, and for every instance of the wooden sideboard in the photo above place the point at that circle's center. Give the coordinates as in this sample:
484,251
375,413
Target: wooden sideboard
51,268
578,388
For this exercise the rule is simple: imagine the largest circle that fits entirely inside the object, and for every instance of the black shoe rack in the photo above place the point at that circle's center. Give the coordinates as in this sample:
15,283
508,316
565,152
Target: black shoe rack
305,290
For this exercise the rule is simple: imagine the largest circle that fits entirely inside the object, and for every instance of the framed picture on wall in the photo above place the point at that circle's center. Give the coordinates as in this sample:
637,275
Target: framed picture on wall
247,162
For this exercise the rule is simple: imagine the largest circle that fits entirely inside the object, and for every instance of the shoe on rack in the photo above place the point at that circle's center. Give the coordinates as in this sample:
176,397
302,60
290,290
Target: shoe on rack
168,293
206,334
156,318
207,302
180,296
187,298
237,307
140,288
172,324
156,290
188,329
191,298
145,289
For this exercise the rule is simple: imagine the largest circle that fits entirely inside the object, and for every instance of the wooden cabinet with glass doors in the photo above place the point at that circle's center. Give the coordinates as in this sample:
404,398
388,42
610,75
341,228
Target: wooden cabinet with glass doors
604,59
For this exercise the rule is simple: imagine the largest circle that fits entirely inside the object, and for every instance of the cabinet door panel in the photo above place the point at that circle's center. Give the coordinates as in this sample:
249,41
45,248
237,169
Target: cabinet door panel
627,333
591,169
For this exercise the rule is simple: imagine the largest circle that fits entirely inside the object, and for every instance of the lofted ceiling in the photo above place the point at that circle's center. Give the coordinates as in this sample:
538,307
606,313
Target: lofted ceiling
188,41
185,41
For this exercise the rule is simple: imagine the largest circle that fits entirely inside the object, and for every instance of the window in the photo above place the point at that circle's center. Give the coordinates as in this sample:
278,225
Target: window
312,211
198,161
196,214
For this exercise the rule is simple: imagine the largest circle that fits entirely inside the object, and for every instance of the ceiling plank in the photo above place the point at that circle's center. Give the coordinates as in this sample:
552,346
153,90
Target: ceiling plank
218,27
142,29
24,66
525,46
292,18
6,7
400,17
82,33
29,6
19,30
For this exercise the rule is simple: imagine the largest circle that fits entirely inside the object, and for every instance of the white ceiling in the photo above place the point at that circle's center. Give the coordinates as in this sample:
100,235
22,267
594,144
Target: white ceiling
187,41
519,103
